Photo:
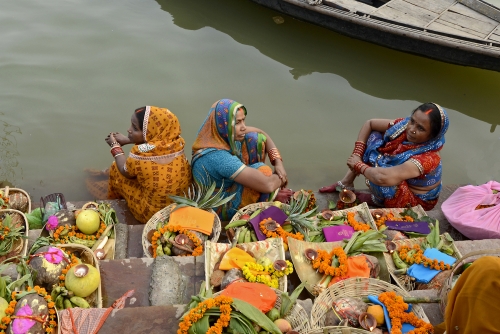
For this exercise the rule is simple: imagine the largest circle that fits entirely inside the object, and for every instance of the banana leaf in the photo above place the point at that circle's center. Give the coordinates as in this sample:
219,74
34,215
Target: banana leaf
255,315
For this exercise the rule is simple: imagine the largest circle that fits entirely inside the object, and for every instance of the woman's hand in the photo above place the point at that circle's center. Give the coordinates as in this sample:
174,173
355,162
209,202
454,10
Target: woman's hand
118,137
279,170
110,139
352,161
284,195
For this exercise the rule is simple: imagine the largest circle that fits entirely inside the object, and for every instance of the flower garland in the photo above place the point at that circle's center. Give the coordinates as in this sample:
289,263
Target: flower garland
198,250
74,261
416,255
4,201
63,233
279,232
324,260
355,224
390,216
224,304
396,308
49,323
267,275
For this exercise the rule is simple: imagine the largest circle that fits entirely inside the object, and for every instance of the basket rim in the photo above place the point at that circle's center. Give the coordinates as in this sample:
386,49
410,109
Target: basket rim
9,189
26,232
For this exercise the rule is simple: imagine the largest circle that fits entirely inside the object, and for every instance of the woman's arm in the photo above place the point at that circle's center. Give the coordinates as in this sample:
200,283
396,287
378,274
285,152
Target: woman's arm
370,125
120,159
252,178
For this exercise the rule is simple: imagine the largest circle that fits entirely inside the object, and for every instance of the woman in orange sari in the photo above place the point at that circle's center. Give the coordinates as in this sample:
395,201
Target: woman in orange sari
156,166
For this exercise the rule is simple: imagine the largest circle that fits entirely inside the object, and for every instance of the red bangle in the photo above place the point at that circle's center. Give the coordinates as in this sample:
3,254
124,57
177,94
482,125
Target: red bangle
358,166
116,150
274,155
359,148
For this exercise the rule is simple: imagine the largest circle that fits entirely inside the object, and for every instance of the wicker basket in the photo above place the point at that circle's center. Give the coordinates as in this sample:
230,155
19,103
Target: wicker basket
271,248
338,330
251,208
20,246
162,216
362,213
396,211
355,287
404,281
86,255
298,317
18,199
458,268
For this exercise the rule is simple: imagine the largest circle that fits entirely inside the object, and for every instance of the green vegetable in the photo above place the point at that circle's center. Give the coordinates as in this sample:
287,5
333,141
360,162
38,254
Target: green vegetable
255,315
35,219
400,264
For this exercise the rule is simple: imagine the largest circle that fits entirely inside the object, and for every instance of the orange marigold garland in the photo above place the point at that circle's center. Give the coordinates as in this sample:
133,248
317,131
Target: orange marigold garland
63,233
198,250
416,255
222,302
323,263
74,261
390,216
355,224
279,232
396,307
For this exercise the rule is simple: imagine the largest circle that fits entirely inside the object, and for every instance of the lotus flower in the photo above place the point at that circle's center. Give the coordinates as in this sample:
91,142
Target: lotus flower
22,325
52,223
54,255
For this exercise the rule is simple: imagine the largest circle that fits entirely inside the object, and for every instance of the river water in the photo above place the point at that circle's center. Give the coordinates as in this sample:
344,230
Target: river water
72,71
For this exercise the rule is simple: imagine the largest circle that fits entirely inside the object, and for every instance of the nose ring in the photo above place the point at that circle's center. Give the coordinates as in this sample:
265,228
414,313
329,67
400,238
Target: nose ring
414,132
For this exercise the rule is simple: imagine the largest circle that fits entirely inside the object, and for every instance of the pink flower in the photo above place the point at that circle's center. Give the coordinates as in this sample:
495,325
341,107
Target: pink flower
52,223
23,325
54,255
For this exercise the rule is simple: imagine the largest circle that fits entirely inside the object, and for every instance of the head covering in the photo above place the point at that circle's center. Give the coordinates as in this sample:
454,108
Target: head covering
407,149
162,137
217,133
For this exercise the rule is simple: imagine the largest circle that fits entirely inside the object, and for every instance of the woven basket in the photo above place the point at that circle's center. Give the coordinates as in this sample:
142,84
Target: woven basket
271,248
251,208
18,199
20,246
404,281
396,211
162,216
458,268
338,330
362,214
86,255
355,287
298,317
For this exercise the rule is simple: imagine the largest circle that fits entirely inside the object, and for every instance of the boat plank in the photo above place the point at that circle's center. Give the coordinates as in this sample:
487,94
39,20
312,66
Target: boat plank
353,6
404,12
473,24
436,6
466,11
451,29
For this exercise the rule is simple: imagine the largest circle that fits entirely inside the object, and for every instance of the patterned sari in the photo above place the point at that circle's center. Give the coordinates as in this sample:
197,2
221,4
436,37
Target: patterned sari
392,149
159,167
218,157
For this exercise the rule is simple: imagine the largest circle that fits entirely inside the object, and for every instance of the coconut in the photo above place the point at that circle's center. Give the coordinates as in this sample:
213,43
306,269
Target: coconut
83,279
65,217
232,275
350,309
47,274
39,308
88,221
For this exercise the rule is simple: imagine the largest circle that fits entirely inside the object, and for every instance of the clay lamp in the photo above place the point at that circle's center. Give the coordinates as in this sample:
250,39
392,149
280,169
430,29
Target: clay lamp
327,214
347,196
367,321
377,214
100,253
181,239
279,265
310,254
391,246
271,225
81,270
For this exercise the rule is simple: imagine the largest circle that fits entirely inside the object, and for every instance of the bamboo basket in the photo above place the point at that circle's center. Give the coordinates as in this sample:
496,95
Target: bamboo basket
355,287
396,211
404,281
162,216
271,248
338,330
20,246
298,317
458,268
20,198
86,255
362,213
251,208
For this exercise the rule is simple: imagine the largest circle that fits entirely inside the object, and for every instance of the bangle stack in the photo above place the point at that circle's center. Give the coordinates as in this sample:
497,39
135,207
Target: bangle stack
274,155
116,150
360,167
359,148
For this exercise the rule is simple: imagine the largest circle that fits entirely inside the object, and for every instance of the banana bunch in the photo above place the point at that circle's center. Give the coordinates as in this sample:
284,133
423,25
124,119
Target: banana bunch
365,242
63,298
245,234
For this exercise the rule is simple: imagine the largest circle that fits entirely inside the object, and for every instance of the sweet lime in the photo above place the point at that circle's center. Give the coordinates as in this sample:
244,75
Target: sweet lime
88,221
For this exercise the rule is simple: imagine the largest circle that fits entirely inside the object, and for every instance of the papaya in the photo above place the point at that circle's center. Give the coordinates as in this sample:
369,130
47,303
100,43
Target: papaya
235,258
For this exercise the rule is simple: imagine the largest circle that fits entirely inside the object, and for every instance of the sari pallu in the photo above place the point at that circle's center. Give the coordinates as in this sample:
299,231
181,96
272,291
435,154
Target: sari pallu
159,167
218,157
392,149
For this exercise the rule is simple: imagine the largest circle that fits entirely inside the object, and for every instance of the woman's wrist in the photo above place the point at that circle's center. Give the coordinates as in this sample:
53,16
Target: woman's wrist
274,156
359,148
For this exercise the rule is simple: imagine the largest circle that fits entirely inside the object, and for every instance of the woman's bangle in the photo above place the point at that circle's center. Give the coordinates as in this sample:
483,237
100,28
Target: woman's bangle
360,167
113,144
359,148
274,155
114,156
116,150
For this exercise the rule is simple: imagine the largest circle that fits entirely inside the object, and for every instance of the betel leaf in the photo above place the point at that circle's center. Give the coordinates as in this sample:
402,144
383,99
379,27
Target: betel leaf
255,315
201,326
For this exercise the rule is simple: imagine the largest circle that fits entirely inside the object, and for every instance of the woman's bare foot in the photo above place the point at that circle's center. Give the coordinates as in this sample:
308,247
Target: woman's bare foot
335,187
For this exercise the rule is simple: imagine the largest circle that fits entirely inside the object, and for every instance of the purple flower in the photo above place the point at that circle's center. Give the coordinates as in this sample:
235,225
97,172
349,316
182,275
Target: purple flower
54,255
22,325
52,223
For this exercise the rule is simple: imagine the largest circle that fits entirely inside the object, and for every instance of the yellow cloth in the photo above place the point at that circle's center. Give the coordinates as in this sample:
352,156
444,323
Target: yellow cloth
473,304
193,219
159,167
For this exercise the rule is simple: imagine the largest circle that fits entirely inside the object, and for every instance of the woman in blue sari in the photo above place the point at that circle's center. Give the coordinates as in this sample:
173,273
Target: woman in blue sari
233,154
399,159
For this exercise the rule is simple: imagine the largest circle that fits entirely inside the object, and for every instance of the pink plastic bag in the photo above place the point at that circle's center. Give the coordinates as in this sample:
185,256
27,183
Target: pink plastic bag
460,210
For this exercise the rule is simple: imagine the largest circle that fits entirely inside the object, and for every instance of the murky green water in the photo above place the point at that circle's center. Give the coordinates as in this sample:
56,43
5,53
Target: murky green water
72,71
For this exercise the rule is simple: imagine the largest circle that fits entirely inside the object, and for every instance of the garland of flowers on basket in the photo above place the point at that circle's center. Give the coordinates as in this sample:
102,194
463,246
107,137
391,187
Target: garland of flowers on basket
74,261
390,216
198,250
416,255
64,233
396,308
268,275
323,263
279,232
358,226
4,201
49,322
222,302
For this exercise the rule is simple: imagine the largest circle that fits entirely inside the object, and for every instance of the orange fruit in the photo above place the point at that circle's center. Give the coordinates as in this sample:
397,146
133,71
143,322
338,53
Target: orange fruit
378,312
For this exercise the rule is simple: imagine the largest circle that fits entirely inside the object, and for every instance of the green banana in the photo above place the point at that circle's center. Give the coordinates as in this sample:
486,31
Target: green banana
236,223
159,251
253,236
167,250
400,264
255,213
59,302
241,237
287,227
159,225
55,292
67,303
80,302
248,237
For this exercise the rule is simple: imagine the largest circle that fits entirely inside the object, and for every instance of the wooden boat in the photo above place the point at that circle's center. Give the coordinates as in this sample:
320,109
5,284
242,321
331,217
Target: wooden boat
464,32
